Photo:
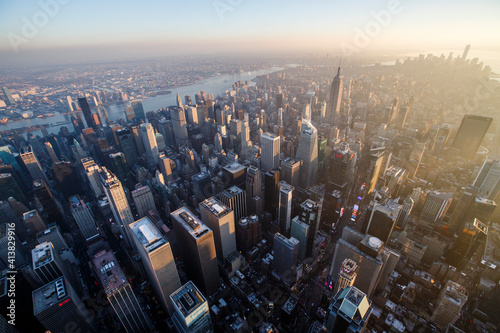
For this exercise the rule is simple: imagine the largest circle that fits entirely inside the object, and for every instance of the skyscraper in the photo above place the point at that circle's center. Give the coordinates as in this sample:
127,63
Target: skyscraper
309,215
158,261
179,125
9,188
488,179
119,293
466,52
285,254
270,151
470,134
347,275
66,179
405,212
57,306
469,239
271,180
235,199
118,164
143,200
290,171
335,98
253,182
349,311
302,232
375,261
139,146
34,222
341,169
436,205
87,113
380,219
51,207
165,168
285,206
52,154
220,219
47,264
191,314
198,251
248,233
149,141
92,171
138,110
83,217
179,101
8,96
377,157
449,304
118,202
127,146
307,152
32,164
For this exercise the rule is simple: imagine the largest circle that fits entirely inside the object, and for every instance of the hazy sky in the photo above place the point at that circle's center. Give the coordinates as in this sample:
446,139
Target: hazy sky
137,28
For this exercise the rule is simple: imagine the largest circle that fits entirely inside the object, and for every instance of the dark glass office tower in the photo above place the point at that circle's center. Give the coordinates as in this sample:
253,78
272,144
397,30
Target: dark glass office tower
138,110
87,114
471,133
198,250
49,204
271,180
127,146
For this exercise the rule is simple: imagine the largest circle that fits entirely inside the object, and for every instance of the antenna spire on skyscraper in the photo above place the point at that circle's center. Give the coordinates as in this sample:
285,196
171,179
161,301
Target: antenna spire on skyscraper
179,101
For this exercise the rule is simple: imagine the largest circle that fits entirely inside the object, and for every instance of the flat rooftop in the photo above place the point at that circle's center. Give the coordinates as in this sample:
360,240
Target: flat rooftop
118,154
109,271
234,167
201,176
290,241
289,305
147,234
190,222
187,298
285,187
42,254
485,201
291,161
456,293
29,214
75,201
268,135
233,190
308,205
37,183
216,207
26,150
48,295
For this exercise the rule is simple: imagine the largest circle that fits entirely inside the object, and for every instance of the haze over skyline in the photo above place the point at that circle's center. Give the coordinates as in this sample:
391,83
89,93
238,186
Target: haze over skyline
94,30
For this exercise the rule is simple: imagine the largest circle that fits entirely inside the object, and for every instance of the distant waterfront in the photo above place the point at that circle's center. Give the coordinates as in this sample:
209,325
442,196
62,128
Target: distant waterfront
216,85
488,58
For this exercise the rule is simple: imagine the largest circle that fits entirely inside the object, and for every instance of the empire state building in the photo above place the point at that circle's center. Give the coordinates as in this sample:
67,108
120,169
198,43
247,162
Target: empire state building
335,99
